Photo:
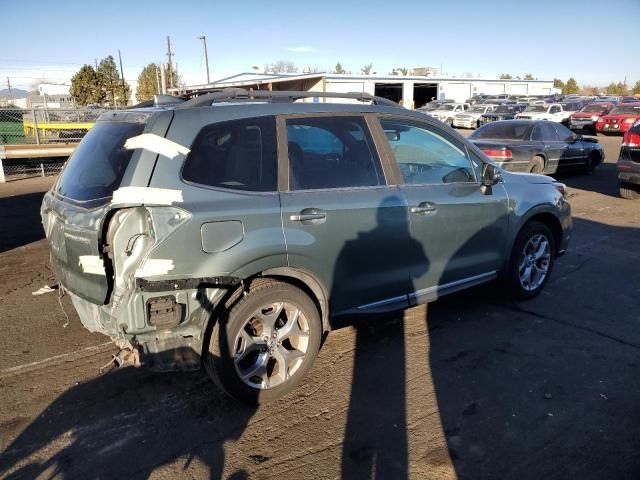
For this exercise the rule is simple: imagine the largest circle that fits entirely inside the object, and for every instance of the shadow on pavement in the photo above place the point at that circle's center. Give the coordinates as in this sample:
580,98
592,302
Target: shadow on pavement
20,220
604,181
127,424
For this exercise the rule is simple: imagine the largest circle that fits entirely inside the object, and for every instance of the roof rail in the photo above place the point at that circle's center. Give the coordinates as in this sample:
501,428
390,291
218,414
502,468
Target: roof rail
159,101
282,96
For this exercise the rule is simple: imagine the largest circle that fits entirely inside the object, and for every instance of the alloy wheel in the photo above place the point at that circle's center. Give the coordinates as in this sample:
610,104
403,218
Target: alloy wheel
271,345
535,260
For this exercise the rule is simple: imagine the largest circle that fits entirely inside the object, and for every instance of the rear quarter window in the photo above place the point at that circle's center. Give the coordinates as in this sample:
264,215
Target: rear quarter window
98,164
238,154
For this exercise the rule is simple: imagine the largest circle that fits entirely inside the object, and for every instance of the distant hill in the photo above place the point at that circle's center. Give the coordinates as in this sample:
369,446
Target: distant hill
15,93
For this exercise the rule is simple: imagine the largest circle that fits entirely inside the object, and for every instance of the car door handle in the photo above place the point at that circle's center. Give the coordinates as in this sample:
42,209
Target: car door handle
309,216
425,208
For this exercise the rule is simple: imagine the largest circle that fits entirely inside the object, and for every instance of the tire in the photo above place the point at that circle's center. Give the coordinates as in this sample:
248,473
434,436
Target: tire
450,122
536,165
590,165
252,330
523,259
629,191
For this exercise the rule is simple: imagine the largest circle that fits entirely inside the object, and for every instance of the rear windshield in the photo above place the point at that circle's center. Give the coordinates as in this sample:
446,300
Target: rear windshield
97,165
503,130
536,108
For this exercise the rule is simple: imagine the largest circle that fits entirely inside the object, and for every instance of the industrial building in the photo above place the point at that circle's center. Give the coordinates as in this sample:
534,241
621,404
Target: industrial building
410,91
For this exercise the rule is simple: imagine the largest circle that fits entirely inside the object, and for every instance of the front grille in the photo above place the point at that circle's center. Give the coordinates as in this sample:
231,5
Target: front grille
522,117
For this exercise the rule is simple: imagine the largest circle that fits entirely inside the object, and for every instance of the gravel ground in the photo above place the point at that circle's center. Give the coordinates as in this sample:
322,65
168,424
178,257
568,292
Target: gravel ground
470,387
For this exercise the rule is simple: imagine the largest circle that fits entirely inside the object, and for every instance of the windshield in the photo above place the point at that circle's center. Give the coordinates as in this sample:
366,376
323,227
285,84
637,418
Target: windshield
446,107
536,108
97,165
594,109
504,109
502,130
477,109
627,110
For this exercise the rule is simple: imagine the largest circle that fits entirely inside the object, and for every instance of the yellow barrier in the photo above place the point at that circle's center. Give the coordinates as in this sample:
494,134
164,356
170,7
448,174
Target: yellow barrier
30,127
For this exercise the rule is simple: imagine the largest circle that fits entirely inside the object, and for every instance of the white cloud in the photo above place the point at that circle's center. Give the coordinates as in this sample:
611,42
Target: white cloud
302,49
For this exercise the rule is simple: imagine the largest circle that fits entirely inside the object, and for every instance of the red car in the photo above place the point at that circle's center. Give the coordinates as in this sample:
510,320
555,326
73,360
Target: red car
587,117
620,119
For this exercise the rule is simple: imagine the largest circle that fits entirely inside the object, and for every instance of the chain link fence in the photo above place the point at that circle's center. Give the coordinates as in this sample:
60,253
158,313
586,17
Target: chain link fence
16,170
46,126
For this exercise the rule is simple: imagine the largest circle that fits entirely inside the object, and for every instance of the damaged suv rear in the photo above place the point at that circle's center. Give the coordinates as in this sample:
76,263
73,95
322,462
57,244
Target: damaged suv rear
229,230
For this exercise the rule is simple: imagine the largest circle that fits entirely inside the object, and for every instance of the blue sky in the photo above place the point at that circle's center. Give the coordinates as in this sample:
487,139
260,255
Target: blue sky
595,42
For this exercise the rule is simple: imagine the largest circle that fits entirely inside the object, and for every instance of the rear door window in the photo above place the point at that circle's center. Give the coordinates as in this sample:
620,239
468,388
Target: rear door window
238,154
331,152
98,164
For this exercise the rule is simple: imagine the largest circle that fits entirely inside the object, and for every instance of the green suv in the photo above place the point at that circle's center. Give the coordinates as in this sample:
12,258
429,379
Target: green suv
234,229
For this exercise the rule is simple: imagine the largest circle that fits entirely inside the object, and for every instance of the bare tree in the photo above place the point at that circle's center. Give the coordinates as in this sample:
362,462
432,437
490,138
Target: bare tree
281,66
366,70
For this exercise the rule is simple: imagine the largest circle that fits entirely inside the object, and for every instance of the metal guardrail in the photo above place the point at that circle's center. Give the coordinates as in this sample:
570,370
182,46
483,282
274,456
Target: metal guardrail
45,126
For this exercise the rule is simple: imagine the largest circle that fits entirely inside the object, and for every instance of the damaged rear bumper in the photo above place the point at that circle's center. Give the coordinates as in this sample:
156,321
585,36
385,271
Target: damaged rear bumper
165,320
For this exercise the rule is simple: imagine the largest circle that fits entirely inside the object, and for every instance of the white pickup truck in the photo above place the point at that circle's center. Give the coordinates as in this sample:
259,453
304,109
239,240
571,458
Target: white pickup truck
471,118
446,112
552,112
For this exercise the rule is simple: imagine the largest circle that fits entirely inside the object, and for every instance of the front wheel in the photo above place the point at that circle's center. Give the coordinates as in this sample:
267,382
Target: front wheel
531,261
590,164
266,343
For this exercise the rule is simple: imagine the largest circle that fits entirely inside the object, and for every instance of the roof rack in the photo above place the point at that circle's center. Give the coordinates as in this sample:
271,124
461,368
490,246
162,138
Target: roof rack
282,96
159,101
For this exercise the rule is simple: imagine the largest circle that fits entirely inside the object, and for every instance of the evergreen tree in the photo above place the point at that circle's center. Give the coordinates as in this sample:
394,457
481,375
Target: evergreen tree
147,83
116,92
571,87
85,88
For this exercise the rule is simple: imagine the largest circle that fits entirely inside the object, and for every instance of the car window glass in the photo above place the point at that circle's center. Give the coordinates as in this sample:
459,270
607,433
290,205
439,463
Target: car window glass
98,164
239,154
563,132
554,110
331,152
537,134
548,132
425,156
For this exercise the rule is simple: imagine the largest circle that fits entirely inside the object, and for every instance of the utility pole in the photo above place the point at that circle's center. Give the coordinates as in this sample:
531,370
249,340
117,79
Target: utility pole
163,79
206,56
170,62
158,77
124,89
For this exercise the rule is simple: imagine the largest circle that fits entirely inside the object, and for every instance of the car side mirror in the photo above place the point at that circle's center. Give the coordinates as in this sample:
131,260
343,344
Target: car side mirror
490,175
392,135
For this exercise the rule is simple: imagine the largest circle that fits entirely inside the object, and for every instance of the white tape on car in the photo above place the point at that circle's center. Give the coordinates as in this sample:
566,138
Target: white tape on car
92,264
156,144
146,195
154,266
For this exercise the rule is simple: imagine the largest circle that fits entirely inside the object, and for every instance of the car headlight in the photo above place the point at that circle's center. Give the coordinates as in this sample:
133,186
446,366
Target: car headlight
595,118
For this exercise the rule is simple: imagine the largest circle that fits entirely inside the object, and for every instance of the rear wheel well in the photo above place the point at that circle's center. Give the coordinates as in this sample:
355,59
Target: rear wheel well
296,282
554,225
